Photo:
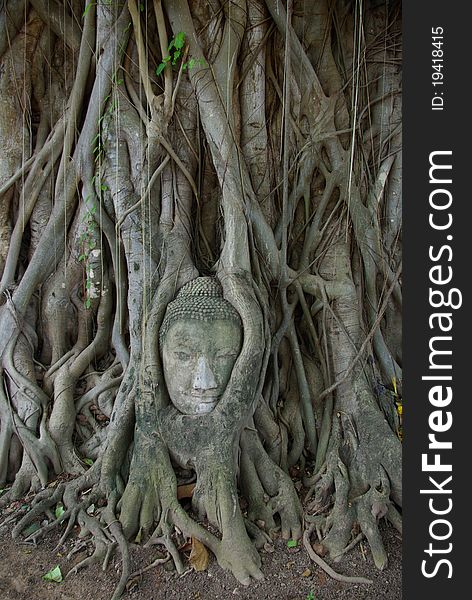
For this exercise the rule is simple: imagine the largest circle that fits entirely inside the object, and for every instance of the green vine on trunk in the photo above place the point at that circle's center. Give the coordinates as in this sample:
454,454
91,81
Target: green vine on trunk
176,51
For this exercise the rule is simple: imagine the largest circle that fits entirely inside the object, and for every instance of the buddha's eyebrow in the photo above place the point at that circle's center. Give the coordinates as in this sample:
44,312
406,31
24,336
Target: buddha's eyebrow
184,338
185,342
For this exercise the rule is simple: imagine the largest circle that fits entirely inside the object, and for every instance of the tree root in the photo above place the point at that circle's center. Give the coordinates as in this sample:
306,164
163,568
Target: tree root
155,563
43,501
172,552
324,565
105,537
100,538
234,551
362,496
260,474
268,489
114,526
136,234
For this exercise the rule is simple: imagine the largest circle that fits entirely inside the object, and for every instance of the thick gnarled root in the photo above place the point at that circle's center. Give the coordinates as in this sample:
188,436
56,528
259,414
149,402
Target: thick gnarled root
268,490
349,515
98,524
324,565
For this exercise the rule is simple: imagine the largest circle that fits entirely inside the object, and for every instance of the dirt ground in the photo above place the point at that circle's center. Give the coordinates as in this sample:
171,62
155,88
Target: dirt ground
289,575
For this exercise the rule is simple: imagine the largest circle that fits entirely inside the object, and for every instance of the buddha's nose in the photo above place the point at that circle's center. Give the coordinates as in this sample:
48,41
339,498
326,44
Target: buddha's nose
203,377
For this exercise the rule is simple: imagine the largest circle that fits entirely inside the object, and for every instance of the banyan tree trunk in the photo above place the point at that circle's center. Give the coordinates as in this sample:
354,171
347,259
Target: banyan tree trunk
147,145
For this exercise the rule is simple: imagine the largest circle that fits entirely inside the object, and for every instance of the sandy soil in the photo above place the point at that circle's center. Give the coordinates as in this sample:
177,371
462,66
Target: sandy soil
289,575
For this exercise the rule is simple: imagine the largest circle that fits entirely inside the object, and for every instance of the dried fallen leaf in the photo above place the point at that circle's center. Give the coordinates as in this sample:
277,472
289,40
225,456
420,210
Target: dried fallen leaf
185,491
319,549
321,577
186,546
199,557
306,573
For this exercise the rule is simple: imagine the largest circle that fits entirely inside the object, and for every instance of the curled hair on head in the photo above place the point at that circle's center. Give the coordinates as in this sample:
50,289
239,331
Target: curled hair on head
200,300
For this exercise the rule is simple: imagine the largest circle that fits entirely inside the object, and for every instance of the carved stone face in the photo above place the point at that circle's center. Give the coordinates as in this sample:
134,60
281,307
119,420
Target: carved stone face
198,357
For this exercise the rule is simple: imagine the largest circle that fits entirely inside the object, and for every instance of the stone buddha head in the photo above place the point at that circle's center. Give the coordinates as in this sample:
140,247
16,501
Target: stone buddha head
200,340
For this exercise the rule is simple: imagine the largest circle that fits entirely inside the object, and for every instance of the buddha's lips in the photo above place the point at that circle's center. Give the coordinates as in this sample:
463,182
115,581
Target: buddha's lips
206,399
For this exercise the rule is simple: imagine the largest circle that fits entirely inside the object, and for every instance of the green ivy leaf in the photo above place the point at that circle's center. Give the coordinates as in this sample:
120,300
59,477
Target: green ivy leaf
59,511
53,575
292,544
160,68
88,461
179,40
